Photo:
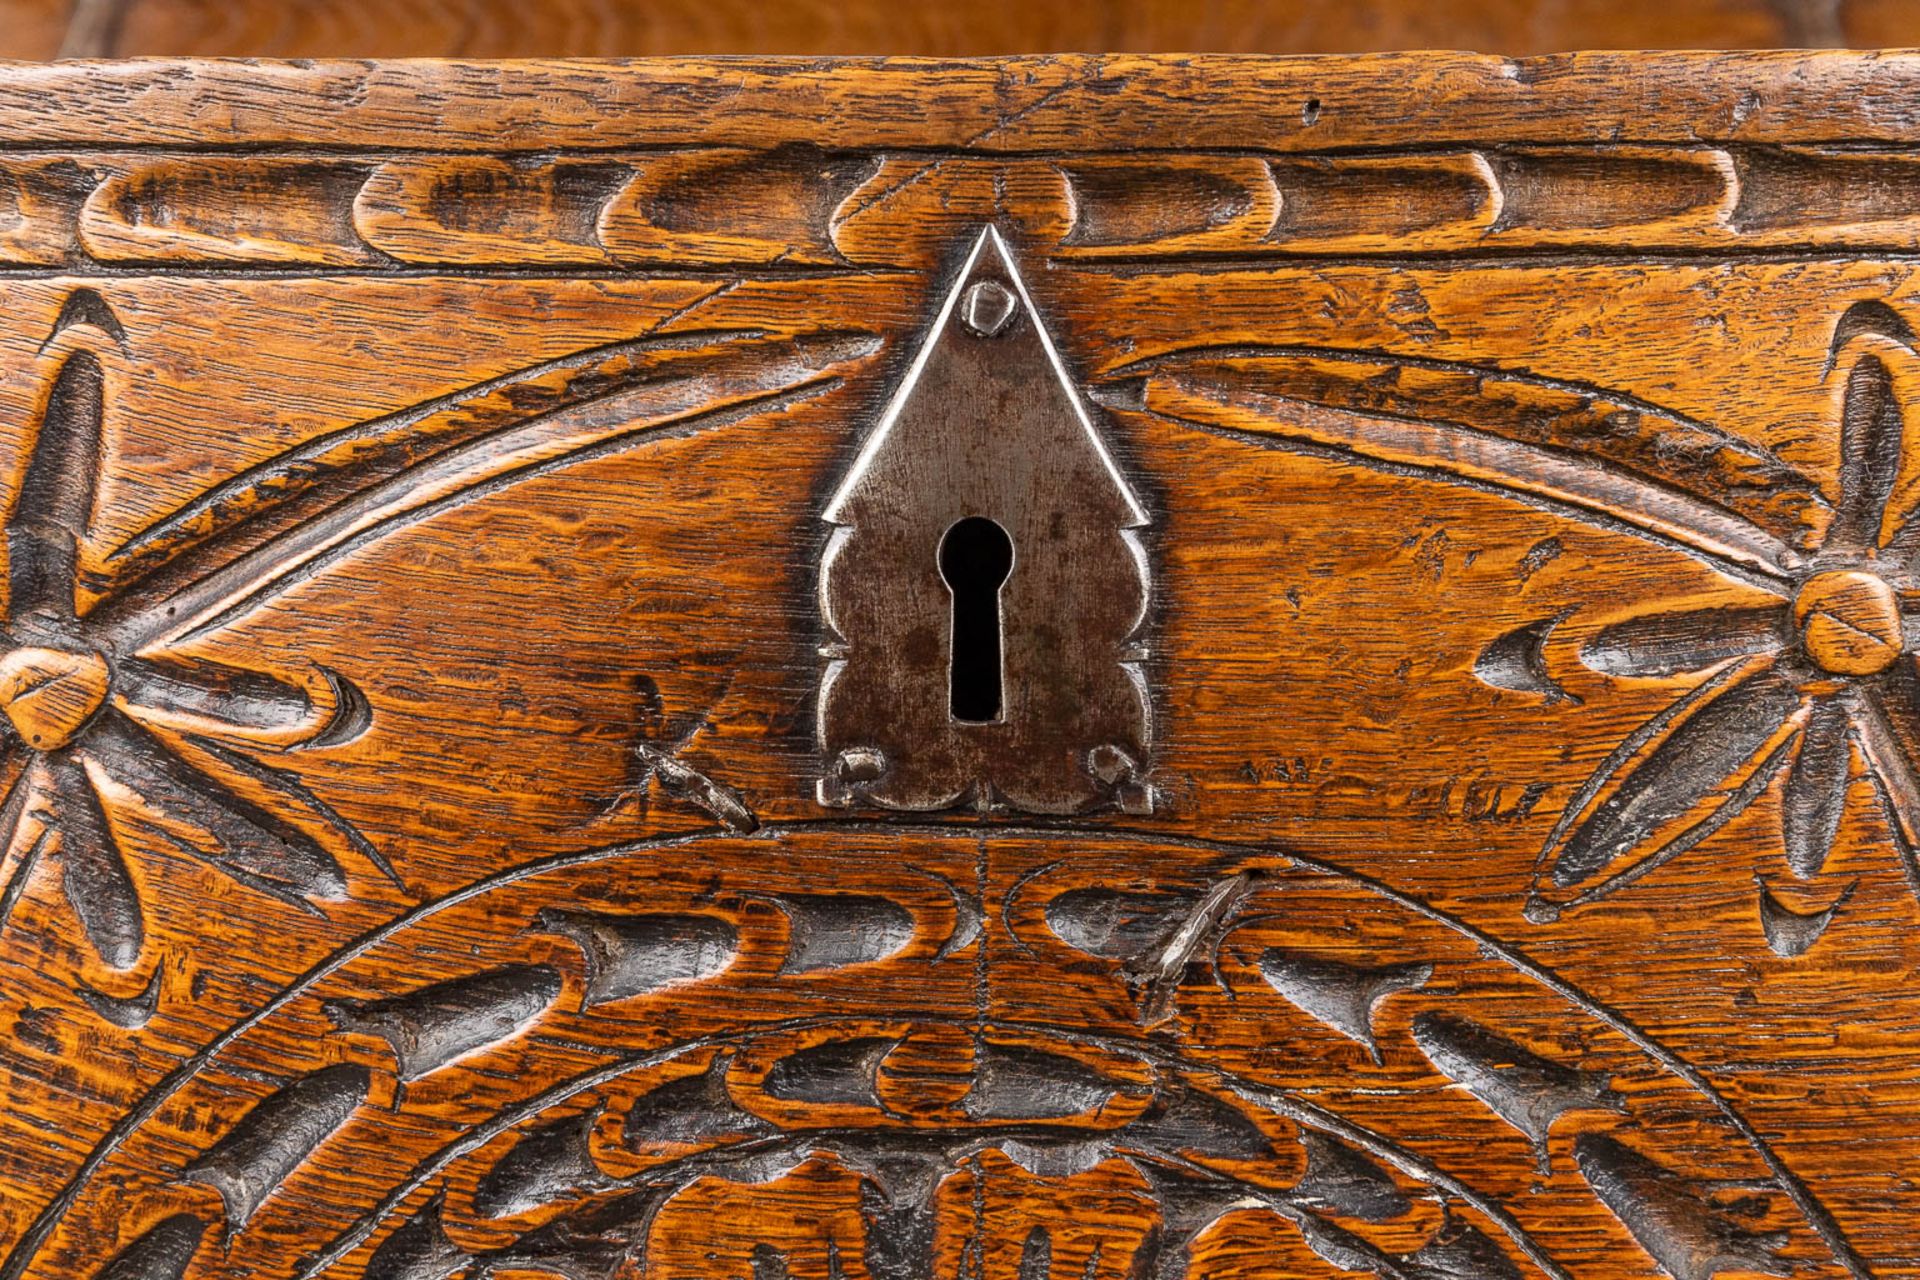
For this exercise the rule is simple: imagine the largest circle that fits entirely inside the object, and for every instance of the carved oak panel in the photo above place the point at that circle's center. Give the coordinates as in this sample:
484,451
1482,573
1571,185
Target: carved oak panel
1103,668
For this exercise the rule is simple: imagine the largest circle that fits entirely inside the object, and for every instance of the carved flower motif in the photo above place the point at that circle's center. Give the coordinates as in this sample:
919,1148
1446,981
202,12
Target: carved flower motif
1790,688
1794,687
78,707
97,705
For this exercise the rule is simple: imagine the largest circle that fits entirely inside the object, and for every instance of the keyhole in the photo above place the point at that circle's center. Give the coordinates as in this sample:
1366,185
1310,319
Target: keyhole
976,555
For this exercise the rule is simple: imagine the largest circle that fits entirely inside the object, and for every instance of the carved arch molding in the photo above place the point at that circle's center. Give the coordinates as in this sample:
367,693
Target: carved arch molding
1103,668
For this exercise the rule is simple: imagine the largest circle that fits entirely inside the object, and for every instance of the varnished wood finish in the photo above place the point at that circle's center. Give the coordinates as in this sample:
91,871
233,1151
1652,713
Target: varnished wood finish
419,484
814,28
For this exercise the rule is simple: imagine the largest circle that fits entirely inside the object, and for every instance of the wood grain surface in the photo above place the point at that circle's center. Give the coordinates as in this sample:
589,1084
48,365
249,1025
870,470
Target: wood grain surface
423,563
813,28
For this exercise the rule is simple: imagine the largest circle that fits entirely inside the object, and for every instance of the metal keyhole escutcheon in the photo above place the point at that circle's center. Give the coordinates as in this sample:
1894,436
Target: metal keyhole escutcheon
984,586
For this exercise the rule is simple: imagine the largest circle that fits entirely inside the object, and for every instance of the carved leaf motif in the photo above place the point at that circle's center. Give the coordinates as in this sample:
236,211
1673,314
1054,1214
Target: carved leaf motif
1870,430
1526,1090
1887,722
1112,924
1347,1182
1666,644
1460,1251
433,1026
163,1252
201,694
276,1136
692,1109
1340,995
14,813
546,1164
1184,1119
1517,661
418,1249
1791,932
840,1071
834,930
1875,463
1017,1082
288,784
219,560
1677,1225
633,955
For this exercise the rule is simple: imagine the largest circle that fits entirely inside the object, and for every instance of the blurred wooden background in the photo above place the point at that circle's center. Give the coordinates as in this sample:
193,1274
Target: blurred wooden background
637,28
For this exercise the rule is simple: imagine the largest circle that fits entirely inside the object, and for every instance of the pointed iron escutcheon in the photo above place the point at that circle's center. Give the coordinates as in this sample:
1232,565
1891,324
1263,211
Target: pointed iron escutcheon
984,584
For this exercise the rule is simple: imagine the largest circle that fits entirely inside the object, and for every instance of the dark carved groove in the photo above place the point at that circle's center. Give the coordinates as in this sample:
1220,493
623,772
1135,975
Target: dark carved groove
1340,996
87,307
1809,1208
1673,1221
1517,661
232,696
1184,1119
692,1109
842,1071
352,714
436,1024
1690,763
1526,1090
834,930
1667,644
1791,933
1816,791
276,1136
129,1013
163,1252
418,1250
288,784
96,882
631,955
1014,1082
54,505
251,845
1118,926
1347,1182
547,1163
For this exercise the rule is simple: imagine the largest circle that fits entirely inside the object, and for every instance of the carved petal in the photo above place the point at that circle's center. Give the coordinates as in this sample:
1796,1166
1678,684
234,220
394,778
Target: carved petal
1817,788
1892,752
14,809
1665,644
1693,771
193,693
196,695
1875,349
55,501
96,881
1870,425
252,845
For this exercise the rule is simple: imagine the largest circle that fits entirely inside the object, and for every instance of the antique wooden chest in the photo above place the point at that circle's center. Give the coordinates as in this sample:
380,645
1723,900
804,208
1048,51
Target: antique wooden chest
1045,669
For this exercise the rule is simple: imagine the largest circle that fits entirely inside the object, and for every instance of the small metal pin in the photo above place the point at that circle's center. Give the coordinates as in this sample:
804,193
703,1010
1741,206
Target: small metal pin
987,308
